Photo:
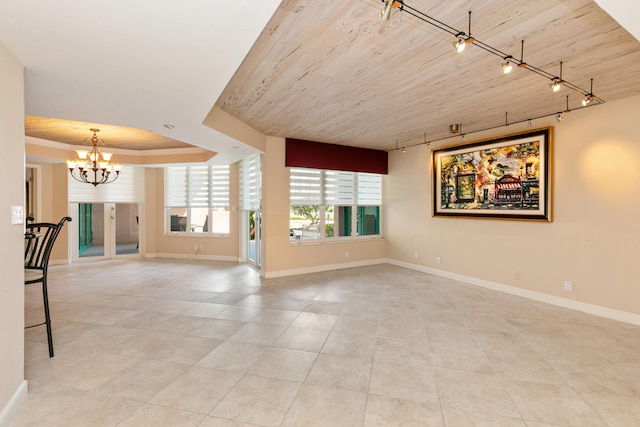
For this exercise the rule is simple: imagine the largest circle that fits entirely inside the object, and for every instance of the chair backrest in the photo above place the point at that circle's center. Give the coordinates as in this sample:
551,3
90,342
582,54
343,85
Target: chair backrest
38,249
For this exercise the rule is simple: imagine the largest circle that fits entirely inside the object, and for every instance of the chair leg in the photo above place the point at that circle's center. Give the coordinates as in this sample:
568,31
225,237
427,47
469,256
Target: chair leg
47,316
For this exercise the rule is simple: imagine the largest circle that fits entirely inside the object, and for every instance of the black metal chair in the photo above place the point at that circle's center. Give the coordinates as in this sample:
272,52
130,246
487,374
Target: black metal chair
39,240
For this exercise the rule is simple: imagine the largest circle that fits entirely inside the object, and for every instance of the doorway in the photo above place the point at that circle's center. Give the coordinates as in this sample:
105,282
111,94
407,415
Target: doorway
106,230
253,231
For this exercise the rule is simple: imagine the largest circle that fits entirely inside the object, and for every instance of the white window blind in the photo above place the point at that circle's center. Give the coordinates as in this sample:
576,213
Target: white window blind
250,183
219,186
177,186
328,187
129,187
197,186
369,189
339,188
305,186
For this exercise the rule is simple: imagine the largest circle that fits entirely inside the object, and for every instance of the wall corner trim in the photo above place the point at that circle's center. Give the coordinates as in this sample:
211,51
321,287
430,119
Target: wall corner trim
13,404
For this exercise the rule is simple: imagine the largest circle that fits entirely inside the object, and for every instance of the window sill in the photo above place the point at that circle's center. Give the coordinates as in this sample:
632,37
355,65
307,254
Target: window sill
200,235
333,240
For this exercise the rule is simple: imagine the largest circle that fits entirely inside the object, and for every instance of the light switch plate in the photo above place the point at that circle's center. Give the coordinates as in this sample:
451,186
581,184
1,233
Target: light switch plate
17,215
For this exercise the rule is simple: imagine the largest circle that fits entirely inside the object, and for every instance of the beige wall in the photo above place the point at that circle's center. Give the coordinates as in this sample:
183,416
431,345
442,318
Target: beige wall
280,256
12,236
54,205
592,241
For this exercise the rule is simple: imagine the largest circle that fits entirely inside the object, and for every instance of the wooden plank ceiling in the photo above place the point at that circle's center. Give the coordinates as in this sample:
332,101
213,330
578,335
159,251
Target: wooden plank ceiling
335,72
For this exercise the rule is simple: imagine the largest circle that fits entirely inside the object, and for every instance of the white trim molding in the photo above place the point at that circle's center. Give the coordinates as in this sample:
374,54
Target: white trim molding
584,307
13,404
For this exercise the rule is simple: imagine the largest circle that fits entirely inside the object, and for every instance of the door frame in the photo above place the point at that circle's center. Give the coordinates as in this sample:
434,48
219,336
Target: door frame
109,230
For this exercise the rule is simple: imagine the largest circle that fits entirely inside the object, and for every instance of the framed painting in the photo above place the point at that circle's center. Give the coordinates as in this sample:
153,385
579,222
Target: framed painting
507,177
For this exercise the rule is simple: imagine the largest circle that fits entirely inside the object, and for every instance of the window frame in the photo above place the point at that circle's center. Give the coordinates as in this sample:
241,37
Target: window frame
320,189
217,189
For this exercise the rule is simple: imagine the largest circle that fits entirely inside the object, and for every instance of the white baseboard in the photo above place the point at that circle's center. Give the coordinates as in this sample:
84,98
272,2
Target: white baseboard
597,310
199,257
321,268
16,399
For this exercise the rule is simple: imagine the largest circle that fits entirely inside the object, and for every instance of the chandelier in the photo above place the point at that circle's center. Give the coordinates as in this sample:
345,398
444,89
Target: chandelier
93,166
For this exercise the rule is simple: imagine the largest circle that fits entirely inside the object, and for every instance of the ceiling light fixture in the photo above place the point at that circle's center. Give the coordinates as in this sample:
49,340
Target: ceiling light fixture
459,44
462,39
557,82
454,129
559,117
588,97
507,67
522,64
385,13
92,166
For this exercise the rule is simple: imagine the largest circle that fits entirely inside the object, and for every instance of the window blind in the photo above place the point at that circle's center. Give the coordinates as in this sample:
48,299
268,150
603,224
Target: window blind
339,188
329,187
129,187
197,186
219,186
305,187
369,189
250,183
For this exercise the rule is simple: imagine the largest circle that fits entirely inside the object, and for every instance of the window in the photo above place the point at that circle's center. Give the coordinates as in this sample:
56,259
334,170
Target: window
250,186
197,199
327,204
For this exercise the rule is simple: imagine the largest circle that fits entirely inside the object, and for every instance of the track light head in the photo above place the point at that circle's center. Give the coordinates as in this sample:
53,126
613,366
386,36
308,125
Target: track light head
556,84
454,128
460,43
587,100
507,66
385,13
559,117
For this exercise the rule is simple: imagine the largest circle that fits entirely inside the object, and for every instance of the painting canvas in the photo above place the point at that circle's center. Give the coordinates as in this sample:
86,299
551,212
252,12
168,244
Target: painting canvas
507,177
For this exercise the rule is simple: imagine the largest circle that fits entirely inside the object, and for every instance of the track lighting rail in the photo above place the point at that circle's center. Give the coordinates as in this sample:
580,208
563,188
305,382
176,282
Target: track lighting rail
468,39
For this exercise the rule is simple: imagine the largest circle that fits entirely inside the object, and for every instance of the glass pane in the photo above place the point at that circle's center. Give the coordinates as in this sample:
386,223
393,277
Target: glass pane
178,219
219,223
90,229
126,228
329,218
368,220
304,222
199,220
341,221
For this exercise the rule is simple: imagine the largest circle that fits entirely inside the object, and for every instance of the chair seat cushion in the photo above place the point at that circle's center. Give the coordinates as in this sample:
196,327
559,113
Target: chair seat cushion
30,275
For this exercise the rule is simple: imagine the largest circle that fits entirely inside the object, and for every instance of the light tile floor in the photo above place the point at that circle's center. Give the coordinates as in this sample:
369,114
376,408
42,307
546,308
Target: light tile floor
196,343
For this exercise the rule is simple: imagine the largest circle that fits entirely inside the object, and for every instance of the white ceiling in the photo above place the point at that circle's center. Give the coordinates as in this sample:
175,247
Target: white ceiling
142,64
148,63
